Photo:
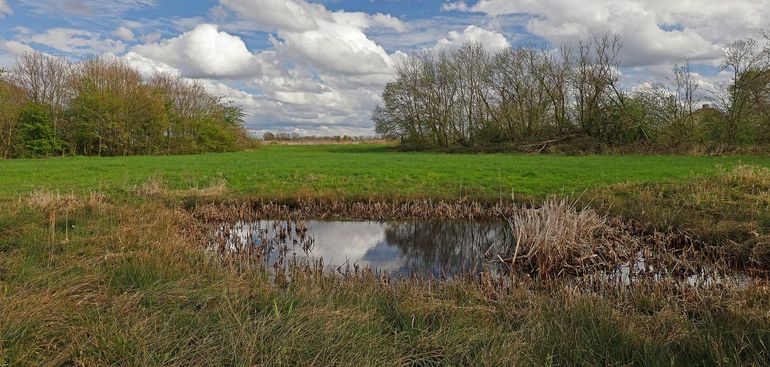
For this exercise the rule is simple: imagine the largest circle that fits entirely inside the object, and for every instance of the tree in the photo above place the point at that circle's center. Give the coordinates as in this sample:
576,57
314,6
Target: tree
748,63
12,100
37,135
47,81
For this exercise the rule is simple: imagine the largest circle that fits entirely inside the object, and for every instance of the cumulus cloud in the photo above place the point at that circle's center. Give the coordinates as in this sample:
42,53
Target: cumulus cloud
492,40
335,47
15,48
336,71
204,52
655,31
299,15
327,40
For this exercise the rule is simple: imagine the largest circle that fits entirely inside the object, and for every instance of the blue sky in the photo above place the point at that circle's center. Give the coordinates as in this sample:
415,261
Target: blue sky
317,67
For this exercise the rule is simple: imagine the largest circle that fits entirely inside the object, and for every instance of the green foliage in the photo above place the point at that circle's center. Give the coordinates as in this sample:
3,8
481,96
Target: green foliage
104,107
37,136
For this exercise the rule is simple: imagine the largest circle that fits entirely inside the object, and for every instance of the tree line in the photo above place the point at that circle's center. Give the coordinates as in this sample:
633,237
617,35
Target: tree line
532,96
297,137
51,106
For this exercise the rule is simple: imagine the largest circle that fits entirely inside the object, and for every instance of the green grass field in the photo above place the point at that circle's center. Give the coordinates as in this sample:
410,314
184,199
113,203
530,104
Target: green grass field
358,171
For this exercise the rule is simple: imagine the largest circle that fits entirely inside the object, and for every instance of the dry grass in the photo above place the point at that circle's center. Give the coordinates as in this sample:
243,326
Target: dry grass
46,199
558,237
729,212
133,288
363,210
156,188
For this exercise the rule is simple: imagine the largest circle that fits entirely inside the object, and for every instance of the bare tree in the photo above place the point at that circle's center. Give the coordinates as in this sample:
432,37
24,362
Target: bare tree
524,103
47,81
595,80
685,90
749,65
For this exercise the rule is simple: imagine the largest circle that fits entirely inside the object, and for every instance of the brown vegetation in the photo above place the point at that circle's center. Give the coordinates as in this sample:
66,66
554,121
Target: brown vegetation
128,288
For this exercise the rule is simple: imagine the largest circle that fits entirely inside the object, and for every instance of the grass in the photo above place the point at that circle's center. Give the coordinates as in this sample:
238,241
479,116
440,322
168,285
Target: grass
98,268
730,210
358,171
128,289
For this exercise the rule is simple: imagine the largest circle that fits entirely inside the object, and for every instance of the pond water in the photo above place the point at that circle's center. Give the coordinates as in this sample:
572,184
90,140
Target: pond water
421,249
400,248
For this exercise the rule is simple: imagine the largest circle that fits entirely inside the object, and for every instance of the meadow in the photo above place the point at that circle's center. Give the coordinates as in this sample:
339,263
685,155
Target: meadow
359,172
102,263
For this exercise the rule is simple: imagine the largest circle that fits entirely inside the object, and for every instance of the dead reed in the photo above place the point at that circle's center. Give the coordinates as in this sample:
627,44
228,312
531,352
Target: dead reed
362,210
558,237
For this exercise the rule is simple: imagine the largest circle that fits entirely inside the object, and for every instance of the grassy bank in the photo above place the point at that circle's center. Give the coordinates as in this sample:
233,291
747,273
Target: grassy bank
358,171
125,285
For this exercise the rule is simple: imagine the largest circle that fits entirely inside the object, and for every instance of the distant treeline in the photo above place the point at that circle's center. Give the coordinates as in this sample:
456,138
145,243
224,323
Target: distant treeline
50,106
296,137
534,96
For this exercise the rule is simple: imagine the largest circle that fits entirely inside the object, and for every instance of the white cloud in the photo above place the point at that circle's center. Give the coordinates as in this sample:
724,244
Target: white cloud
149,67
492,40
152,37
5,9
75,41
204,52
124,33
324,74
299,15
85,8
655,31
309,33
9,50
337,48
15,48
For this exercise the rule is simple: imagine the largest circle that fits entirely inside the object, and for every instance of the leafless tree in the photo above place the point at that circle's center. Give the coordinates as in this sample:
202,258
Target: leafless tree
748,63
47,81
595,80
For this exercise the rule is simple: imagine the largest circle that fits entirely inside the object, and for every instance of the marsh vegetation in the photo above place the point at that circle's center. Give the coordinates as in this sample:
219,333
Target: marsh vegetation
90,280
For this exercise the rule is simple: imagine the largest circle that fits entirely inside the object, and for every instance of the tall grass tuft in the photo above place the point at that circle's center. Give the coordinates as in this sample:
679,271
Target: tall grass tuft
559,237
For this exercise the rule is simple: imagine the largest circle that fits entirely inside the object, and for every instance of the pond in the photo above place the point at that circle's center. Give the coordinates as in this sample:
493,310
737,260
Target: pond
399,248
427,249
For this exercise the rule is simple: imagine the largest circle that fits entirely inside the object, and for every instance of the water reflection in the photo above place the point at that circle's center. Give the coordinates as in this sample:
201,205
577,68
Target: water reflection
401,248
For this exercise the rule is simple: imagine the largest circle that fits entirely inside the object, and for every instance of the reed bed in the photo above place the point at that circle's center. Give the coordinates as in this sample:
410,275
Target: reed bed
559,238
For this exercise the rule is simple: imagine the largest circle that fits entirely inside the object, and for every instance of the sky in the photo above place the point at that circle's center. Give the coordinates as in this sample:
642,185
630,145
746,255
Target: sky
317,67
